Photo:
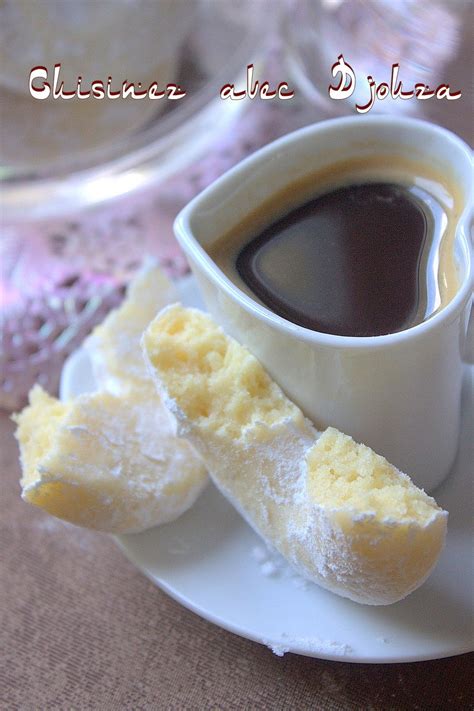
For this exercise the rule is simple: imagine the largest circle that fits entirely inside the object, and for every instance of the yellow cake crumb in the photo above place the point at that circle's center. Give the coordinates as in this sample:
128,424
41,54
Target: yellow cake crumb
216,382
342,472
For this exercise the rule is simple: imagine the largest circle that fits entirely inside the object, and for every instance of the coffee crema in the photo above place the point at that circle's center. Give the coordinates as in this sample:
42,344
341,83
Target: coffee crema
370,254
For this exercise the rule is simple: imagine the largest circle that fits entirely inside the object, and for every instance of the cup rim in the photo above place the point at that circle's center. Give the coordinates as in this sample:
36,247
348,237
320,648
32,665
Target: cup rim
192,247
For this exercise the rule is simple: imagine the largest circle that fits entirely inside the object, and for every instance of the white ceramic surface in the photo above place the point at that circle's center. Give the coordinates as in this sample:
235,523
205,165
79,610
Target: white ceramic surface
397,393
206,561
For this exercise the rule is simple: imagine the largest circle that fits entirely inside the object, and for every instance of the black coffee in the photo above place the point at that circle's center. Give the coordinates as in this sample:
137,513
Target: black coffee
360,260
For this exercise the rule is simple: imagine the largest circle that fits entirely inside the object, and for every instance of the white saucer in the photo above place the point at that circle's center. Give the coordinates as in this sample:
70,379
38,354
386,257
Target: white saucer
210,561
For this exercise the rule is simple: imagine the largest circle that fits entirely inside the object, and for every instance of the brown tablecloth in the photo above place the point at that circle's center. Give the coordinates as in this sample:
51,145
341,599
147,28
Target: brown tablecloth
81,628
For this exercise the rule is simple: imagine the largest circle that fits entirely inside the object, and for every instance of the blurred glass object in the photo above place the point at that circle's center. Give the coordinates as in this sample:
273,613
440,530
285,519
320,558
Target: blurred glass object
139,41
57,155
431,40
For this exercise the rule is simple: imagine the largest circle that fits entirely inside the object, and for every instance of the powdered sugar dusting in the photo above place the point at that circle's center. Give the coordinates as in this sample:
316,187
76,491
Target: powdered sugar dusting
66,533
273,565
278,649
310,645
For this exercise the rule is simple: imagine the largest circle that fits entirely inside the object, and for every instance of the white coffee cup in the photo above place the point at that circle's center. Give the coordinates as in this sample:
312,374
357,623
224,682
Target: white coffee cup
398,393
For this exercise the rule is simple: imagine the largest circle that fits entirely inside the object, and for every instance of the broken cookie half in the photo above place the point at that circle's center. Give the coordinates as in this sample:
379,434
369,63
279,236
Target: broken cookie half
340,513
111,460
105,463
